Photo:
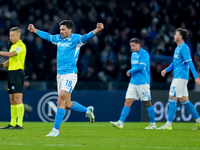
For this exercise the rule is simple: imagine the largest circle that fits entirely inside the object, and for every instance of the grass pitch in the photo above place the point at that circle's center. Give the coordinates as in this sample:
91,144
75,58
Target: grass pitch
99,135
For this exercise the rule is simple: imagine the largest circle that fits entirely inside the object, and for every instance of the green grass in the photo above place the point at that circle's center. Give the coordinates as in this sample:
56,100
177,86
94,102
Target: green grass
99,135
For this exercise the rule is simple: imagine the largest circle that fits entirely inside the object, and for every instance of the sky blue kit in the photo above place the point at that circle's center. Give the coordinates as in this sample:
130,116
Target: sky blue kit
67,49
182,62
140,67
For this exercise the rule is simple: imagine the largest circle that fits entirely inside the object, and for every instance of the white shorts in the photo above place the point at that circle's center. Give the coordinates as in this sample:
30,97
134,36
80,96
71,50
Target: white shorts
137,92
178,88
66,82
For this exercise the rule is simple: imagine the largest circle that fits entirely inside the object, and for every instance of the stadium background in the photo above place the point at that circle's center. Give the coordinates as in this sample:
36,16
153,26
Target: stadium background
105,59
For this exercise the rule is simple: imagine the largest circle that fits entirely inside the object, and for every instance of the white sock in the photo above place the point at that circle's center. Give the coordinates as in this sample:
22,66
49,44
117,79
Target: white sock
153,124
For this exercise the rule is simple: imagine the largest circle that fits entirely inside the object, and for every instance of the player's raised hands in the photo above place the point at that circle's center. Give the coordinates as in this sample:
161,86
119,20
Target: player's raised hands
100,26
31,28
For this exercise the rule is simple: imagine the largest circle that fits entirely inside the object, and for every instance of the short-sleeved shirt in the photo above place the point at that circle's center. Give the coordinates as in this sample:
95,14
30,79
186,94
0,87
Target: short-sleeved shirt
17,62
142,76
181,57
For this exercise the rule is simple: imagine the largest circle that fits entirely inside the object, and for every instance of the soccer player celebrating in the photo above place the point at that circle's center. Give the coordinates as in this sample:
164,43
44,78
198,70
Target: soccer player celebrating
15,64
181,64
139,87
68,48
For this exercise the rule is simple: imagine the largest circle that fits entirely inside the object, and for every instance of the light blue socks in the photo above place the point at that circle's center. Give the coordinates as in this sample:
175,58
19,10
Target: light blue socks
59,118
192,110
78,107
172,110
61,112
151,114
124,113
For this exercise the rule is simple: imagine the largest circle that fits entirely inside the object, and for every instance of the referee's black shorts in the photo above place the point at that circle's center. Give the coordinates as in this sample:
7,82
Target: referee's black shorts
15,81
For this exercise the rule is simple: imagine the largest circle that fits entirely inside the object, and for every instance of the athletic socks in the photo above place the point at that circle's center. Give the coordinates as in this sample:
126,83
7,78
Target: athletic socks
13,112
124,113
61,112
78,107
59,118
151,114
192,110
20,114
17,114
172,110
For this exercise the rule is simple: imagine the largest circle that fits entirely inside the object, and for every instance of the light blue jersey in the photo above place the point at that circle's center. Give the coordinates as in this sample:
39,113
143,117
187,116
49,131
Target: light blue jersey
140,67
67,49
181,57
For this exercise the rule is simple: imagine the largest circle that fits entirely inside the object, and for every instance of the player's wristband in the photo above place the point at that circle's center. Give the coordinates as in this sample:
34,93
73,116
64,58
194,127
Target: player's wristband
1,65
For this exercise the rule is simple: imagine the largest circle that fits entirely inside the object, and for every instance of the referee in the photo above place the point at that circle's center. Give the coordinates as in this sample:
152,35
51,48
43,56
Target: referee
15,64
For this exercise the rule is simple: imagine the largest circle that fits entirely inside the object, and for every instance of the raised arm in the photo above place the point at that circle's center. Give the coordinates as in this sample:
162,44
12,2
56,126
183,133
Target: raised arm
40,33
31,28
89,35
99,27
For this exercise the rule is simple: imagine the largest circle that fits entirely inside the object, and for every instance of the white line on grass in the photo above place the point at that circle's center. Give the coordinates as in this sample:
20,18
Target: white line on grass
120,139
11,144
62,145
54,145
89,125
157,147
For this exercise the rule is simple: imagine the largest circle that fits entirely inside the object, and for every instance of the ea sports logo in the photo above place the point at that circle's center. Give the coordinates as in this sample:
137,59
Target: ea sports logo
47,108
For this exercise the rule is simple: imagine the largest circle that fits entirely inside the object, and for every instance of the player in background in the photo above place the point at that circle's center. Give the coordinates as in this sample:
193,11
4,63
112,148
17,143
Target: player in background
139,86
68,48
15,64
181,64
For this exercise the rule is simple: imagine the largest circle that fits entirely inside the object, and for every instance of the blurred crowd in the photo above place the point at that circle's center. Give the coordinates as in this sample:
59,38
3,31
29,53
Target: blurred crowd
106,57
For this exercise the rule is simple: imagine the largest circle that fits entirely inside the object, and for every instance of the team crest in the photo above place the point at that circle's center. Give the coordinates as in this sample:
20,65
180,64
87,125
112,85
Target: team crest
47,108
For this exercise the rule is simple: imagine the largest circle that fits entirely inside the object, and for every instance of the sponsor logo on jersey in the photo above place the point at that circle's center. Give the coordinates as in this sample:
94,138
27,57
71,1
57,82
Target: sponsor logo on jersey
64,44
135,62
